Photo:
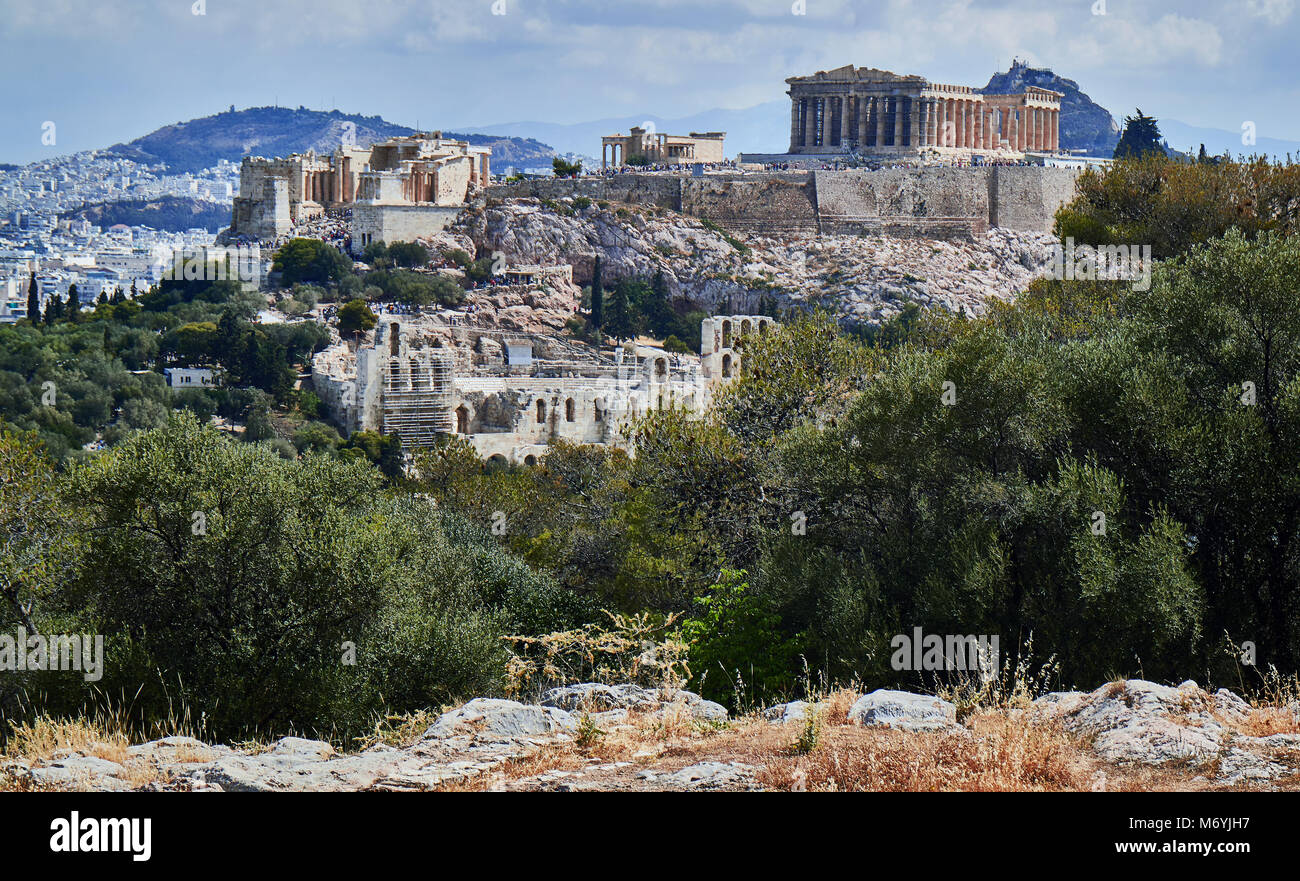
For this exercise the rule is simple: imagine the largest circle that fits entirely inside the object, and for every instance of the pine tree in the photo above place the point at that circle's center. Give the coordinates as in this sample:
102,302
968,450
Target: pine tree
597,296
118,297
33,301
1141,137
102,299
73,308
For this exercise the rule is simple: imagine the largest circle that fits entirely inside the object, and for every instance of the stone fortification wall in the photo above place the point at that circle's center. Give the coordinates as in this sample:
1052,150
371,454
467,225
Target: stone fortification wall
1026,197
933,202
936,202
769,203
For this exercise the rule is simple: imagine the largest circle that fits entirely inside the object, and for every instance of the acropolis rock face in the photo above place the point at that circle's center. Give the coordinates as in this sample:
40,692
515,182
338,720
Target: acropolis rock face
862,278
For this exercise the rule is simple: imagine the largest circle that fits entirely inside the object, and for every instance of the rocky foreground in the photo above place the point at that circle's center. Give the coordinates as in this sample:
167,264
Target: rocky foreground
860,278
1124,736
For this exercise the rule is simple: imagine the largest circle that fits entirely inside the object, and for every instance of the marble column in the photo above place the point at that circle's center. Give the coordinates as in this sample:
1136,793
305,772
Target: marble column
794,124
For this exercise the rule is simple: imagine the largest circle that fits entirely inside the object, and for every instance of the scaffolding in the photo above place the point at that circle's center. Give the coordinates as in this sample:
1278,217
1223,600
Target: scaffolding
417,398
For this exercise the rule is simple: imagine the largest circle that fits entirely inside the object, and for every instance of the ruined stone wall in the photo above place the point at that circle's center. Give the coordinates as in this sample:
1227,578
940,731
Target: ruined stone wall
453,180
398,223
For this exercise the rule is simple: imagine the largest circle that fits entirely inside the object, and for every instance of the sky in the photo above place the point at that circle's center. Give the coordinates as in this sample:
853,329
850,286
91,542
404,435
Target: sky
107,71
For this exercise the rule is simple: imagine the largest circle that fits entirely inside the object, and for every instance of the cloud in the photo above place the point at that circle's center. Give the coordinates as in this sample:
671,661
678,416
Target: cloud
570,60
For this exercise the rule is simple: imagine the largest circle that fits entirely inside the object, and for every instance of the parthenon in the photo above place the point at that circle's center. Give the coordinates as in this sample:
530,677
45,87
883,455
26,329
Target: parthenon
864,110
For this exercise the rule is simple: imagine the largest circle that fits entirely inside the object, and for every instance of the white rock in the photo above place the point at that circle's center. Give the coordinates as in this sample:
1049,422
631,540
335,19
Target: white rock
903,710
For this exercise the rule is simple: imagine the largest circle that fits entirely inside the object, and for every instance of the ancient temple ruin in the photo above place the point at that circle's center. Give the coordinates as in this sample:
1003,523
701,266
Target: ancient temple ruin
398,188
643,145
877,112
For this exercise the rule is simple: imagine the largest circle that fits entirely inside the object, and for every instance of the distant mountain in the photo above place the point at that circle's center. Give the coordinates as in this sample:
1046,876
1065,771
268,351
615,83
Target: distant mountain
1085,125
1188,139
170,213
280,131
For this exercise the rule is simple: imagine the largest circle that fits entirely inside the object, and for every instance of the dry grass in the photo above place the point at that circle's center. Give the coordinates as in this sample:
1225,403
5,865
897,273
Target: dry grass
46,739
1266,721
400,730
998,753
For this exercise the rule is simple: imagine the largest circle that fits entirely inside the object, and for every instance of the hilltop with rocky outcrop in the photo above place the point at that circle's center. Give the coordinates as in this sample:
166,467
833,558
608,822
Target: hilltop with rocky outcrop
1085,124
863,279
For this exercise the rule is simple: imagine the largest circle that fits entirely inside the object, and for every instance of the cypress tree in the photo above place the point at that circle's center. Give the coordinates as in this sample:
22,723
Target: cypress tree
622,324
597,296
33,301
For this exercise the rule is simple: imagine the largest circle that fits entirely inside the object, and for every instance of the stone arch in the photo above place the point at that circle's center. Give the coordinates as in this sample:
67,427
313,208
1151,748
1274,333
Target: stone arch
661,368
417,375
530,460
726,334
394,338
395,373
726,365
569,410
462,419
541,412
762,328
744,327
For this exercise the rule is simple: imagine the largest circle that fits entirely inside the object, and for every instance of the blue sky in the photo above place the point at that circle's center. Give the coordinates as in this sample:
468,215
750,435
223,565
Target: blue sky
110,70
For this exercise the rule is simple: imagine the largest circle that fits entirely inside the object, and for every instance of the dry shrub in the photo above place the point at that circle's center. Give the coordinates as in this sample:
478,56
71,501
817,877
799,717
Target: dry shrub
633,648
997,754
837,704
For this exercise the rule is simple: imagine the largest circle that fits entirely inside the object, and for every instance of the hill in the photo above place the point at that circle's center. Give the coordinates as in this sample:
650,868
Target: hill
1085,125
280,131
170,213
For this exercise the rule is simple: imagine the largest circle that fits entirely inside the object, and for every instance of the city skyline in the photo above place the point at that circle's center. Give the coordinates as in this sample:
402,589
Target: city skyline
1216,65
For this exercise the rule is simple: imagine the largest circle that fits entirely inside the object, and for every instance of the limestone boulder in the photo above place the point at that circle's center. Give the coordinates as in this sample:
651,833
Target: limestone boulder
904,711
501,718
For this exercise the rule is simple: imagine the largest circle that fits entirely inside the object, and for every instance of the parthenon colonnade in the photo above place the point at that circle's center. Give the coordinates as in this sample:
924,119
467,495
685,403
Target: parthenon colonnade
867,110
